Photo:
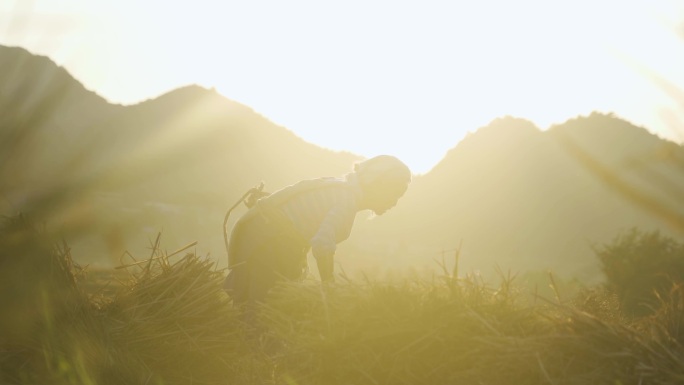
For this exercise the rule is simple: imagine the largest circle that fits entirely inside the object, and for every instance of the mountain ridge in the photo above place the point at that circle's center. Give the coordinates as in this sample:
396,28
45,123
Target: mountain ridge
114,167
505,185
509,193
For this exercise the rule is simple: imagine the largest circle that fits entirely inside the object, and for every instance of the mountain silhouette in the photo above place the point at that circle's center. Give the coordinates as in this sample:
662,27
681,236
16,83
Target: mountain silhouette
110,177
172,164
521,198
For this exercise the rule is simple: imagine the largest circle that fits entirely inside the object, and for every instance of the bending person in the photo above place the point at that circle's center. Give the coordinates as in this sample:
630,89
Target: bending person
269,243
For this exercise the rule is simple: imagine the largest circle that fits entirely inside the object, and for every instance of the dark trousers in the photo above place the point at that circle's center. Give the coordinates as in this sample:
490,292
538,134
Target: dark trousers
265,249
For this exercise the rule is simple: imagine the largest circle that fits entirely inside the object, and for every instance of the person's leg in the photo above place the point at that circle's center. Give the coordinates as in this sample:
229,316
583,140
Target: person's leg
236,284
290,258
262,276
243,245
270,252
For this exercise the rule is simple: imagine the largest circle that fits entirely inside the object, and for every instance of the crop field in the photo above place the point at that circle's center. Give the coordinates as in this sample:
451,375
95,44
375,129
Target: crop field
167,321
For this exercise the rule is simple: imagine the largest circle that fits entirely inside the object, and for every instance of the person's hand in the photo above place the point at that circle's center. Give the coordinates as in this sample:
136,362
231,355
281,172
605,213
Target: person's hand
324,261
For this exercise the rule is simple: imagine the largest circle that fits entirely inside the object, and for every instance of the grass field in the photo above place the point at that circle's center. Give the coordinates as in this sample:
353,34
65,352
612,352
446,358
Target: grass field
167,321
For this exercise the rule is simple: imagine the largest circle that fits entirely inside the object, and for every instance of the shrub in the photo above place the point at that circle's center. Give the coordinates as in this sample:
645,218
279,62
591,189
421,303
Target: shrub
640,266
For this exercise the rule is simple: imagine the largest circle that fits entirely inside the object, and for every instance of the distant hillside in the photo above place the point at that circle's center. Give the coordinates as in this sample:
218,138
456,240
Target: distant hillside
119,174
110,177
518,197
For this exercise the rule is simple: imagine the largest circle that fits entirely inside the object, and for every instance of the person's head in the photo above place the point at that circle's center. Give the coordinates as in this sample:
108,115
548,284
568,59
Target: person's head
383,180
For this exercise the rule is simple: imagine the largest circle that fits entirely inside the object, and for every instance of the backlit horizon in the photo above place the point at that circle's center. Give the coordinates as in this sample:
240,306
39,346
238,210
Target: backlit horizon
406,79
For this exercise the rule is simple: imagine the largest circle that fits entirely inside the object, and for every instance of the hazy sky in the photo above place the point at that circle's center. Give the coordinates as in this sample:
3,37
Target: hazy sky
409,78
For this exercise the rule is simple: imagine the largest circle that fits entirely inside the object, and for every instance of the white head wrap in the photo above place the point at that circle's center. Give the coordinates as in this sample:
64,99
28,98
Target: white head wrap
384,167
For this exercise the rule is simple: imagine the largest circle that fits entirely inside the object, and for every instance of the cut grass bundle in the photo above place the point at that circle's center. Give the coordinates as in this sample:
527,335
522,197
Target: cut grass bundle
176,319
170,324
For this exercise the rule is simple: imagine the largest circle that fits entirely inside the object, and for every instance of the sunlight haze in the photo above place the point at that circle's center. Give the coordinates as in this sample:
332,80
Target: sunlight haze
341,192
407,78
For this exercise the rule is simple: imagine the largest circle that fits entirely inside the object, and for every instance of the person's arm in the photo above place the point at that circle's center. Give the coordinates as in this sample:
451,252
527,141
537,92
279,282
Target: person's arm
338,221
326,268
324,245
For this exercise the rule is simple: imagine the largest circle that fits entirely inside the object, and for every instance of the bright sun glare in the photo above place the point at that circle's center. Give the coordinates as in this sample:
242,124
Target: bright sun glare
406,78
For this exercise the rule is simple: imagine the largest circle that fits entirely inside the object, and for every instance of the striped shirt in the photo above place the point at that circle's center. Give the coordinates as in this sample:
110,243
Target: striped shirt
324,215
